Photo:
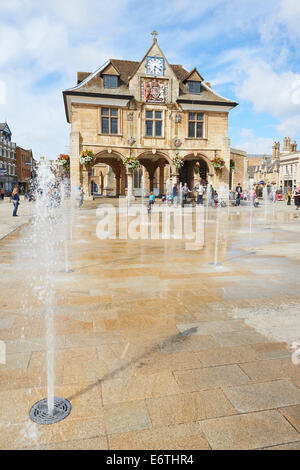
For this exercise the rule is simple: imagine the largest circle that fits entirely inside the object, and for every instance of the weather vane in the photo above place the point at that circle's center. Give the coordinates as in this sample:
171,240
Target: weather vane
154,34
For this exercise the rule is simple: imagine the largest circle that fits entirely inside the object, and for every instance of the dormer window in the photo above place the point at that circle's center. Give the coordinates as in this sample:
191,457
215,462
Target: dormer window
194,87
110,81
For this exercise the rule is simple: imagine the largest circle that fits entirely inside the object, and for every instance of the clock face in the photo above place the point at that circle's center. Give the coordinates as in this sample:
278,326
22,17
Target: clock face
155,65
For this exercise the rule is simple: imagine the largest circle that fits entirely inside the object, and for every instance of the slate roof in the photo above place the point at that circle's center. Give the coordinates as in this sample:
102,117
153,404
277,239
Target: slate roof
127,68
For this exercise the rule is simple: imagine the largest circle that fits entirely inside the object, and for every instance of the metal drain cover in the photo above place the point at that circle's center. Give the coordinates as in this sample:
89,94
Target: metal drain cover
39,412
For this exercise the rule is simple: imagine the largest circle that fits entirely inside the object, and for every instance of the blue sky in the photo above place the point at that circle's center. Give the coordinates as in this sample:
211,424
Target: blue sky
247,49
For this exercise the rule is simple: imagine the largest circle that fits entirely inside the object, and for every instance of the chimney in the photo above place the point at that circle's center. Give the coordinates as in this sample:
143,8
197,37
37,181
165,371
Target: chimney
276,150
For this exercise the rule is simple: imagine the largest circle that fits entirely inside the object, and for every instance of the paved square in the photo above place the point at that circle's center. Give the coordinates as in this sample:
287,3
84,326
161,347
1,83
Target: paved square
155,348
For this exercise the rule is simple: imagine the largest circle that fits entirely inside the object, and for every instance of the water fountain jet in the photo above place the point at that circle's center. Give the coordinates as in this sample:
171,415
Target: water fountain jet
45,242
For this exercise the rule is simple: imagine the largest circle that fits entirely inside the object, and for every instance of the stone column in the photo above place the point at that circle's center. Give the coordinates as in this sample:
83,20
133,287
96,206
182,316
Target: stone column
224,180
74,162
123,175
161,179
85,182
118,185
175,175
130,195
151,179
109,182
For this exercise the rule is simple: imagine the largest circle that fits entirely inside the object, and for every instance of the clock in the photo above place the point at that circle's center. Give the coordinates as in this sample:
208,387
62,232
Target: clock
155,66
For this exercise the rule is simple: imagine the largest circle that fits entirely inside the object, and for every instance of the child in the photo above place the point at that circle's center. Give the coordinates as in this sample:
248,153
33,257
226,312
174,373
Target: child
256,202
215,199
151,201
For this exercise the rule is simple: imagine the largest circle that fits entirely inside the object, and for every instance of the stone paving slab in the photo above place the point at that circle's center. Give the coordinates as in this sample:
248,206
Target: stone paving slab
210,377
221,356
248,431
125,417
292,414
263,396
139,387
265,370
188,407
290,446
179,437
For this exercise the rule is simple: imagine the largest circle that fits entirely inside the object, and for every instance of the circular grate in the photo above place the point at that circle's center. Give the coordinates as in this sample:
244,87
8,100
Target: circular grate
39,412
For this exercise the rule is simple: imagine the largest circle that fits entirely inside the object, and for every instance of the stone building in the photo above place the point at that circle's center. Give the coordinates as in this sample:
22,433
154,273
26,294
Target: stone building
238,168
8,175
154,111
24,165
282,169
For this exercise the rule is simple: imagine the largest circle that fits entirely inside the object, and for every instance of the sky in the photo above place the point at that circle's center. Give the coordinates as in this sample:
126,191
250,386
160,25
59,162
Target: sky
247,49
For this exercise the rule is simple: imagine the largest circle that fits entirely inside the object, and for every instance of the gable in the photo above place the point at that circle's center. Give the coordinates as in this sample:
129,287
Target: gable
195,77
155,52
110,70
4,128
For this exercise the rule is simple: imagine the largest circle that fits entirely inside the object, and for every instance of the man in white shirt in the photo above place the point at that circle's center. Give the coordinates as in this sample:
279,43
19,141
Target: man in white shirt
200,190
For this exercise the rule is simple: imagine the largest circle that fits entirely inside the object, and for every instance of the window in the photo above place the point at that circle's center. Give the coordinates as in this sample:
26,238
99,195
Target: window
194,87
154,123
110,81
109,121
195,125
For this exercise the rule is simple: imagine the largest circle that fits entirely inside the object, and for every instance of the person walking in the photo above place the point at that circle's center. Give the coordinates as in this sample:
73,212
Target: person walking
252,195
81,196
297,197
212,195
16,201
238,192
200,191
2,193
175,195
151,201
185,192
289,197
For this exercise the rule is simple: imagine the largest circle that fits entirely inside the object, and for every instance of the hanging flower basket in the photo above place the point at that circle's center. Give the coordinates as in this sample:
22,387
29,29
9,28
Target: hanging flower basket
87,157
218,163
64,162
178,161
131,163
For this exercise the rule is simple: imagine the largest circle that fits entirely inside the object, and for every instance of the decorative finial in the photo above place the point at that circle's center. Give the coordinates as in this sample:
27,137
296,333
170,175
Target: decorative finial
154,34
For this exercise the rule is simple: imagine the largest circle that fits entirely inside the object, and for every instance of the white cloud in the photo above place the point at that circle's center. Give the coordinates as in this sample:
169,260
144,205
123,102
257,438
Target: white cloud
54,37
253,144
269,91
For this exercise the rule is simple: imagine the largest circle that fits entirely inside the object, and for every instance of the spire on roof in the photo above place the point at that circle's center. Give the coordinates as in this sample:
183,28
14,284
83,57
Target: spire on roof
154,34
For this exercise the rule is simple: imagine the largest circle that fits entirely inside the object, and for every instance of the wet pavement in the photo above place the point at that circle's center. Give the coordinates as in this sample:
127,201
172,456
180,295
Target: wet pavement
156,346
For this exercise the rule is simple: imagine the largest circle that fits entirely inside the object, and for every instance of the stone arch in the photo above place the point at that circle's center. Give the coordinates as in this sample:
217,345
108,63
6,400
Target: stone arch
154,156
187,172
115,161
153,162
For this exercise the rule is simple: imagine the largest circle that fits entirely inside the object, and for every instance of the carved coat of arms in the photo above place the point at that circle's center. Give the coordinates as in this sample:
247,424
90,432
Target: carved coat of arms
155,91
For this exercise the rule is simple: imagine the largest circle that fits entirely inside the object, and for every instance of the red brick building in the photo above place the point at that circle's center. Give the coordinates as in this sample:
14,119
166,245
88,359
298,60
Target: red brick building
24,164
